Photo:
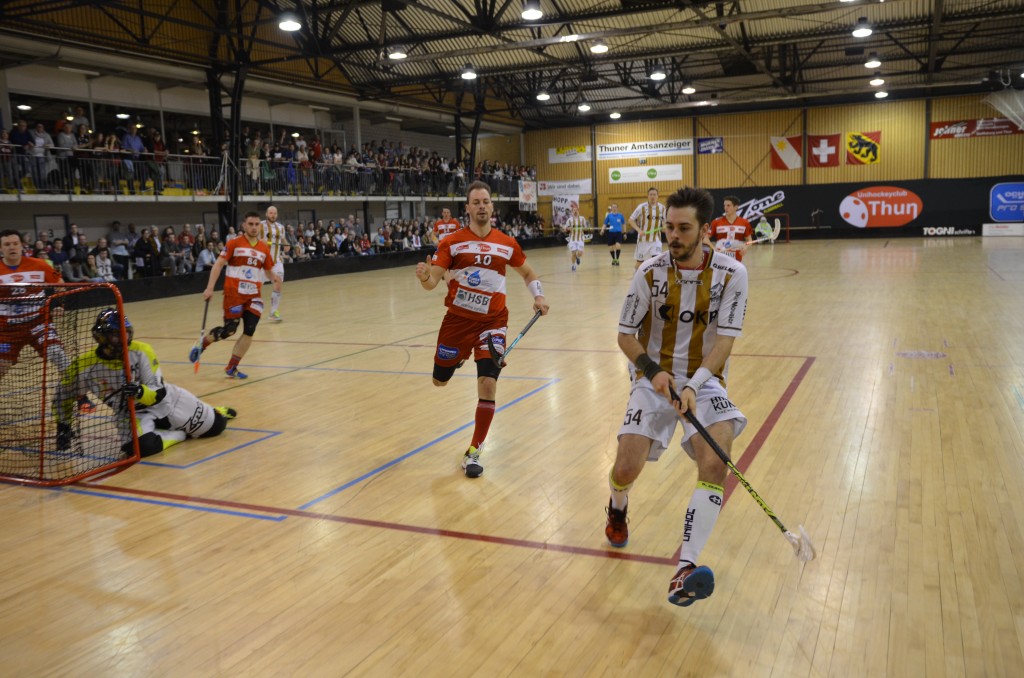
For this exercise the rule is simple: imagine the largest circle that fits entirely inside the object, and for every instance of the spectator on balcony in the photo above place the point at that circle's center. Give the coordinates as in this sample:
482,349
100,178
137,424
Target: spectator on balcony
83,160
156,160
21,137
80,118
134,160
40,154
8,162
66,143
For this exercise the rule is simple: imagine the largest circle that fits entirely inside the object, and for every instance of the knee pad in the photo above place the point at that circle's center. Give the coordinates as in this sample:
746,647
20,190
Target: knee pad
443,374
226,330
487,368
149,444
220,423
249,322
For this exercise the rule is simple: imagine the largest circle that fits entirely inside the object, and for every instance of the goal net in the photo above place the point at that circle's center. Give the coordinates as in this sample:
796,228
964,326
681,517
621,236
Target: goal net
53,431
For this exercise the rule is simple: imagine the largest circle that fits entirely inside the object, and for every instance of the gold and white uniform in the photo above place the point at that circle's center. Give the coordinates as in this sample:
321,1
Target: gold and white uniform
649,220
576,228
273,233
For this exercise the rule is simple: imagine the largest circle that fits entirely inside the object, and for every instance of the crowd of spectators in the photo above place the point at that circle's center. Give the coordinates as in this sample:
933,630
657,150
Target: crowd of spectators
132,251
68,156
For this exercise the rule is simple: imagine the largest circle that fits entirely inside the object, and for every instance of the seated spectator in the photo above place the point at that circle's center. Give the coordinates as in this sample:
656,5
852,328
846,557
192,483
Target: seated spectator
71,271
105,266
90,271
207,257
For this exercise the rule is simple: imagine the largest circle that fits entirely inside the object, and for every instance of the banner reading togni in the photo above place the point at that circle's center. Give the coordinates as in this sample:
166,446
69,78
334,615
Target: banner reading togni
645,149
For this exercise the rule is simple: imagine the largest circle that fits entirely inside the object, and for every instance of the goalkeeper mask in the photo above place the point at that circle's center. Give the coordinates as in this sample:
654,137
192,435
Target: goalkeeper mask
107,333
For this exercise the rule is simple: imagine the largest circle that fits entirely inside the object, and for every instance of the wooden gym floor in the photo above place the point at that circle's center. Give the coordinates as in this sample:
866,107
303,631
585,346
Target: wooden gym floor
330,532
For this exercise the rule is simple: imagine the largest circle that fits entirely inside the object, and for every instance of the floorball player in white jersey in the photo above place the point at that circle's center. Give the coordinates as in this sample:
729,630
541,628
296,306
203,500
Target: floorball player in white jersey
648,220
272,231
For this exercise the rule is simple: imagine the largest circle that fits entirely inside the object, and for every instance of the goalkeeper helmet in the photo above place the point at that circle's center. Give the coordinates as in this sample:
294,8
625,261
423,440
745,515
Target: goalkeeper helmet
107,333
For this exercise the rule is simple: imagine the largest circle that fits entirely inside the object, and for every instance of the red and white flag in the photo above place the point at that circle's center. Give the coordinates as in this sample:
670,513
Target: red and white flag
823,150
786,152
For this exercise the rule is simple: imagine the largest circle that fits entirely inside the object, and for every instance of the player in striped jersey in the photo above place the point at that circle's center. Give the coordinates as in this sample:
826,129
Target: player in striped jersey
683,312
730,232
477,257
272,231
648,220
575,228
446,225
246,258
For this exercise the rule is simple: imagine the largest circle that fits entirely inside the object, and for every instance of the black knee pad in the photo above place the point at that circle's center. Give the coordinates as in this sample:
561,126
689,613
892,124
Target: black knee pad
220,423
443,374
249,322
226,330
149,444
487,368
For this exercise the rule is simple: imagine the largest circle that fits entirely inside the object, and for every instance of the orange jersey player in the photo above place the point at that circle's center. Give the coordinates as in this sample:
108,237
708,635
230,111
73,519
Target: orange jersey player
21,304
731,233
446,225
477,258
246,259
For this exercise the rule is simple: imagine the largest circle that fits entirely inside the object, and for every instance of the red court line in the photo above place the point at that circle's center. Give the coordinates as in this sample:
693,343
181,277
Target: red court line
380,524
766,428
743,464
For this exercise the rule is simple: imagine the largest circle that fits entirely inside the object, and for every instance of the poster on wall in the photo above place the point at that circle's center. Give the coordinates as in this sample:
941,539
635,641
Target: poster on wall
965,129
527,196
572,187
645,149
1006,202
709,145
645,174
561,208
880,206
569,154
863,148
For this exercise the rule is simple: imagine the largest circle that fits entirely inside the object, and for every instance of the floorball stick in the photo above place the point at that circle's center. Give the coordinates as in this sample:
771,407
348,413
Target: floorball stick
499,358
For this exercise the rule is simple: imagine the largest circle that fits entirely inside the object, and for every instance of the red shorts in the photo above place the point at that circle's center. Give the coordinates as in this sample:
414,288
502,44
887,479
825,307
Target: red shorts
235,305
460,336
15,337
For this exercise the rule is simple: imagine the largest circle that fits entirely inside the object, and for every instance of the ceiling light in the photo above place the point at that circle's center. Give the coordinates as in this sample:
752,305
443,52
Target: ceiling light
543,96
862,29
289,23
877,80
881,95
599,47
24,107
531,10
295,135
689,89
138,125
69,118
195,132
657,73
468,73
583,107
123,116
397,52
615,115
873,61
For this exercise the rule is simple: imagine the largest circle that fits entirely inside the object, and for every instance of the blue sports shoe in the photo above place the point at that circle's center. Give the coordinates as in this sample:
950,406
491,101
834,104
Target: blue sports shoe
234,373
691,584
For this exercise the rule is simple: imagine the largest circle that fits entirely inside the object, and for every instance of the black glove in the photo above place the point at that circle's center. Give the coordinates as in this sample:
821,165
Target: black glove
65,434
132,389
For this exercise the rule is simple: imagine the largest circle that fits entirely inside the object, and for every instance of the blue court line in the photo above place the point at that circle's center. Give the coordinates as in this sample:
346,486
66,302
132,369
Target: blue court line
270,434
419,449
350,369
156,502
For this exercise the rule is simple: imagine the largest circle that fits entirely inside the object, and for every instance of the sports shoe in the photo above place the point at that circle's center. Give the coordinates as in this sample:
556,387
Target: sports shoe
574,267
577,261
227,412
276,316
471,462
691,584
193,355
234,373
616,530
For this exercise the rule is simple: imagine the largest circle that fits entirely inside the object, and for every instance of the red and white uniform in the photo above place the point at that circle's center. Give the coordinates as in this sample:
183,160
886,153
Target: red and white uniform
445,227
723,230
243,275
476,292
20,306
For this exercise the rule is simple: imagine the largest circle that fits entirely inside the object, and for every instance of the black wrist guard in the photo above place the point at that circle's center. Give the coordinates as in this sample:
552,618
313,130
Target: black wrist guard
648,366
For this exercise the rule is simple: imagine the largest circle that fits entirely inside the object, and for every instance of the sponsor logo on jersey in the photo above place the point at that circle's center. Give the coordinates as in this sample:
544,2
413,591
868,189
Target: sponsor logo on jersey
447,352
716,291
880,206
248,273
715,499
722,404
665,311
473,279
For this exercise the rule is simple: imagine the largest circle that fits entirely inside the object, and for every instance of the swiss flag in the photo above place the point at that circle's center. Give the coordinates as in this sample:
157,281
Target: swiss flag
786,152
823,150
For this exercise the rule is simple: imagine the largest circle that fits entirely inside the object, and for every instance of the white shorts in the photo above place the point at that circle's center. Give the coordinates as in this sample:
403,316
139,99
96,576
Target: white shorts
652,416
575,245
646,250
278,269
179,411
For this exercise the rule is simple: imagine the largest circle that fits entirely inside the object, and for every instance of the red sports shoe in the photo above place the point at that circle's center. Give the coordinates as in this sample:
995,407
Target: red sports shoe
691,584
616,530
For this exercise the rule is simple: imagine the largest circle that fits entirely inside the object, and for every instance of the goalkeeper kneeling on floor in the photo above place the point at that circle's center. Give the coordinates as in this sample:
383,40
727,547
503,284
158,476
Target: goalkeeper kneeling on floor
165,414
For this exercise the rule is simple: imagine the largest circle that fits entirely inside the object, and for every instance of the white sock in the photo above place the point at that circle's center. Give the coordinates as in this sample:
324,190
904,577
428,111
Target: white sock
701,514
275,299
620,493
171,437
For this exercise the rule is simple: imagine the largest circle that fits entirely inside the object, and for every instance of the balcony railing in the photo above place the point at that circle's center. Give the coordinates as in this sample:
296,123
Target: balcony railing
123,174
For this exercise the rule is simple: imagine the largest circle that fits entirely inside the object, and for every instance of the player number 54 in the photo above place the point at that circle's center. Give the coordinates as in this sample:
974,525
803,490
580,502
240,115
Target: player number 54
633,417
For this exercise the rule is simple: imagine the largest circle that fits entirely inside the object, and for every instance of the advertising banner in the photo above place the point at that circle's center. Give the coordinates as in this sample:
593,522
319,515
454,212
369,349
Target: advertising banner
645,149
645,174
561,208
1006,202
965,129
527,196
706,145
569,154
572,187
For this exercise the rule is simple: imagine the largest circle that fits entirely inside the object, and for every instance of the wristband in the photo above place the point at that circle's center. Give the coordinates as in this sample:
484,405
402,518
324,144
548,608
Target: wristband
648,366
698,379
535,288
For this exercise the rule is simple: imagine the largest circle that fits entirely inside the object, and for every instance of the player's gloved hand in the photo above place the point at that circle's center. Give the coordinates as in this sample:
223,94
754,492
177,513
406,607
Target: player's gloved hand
65,434
132,389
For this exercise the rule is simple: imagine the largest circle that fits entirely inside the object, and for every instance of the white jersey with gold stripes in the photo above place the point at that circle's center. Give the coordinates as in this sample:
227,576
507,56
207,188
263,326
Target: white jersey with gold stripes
677,314
649,220
576,227
273,233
